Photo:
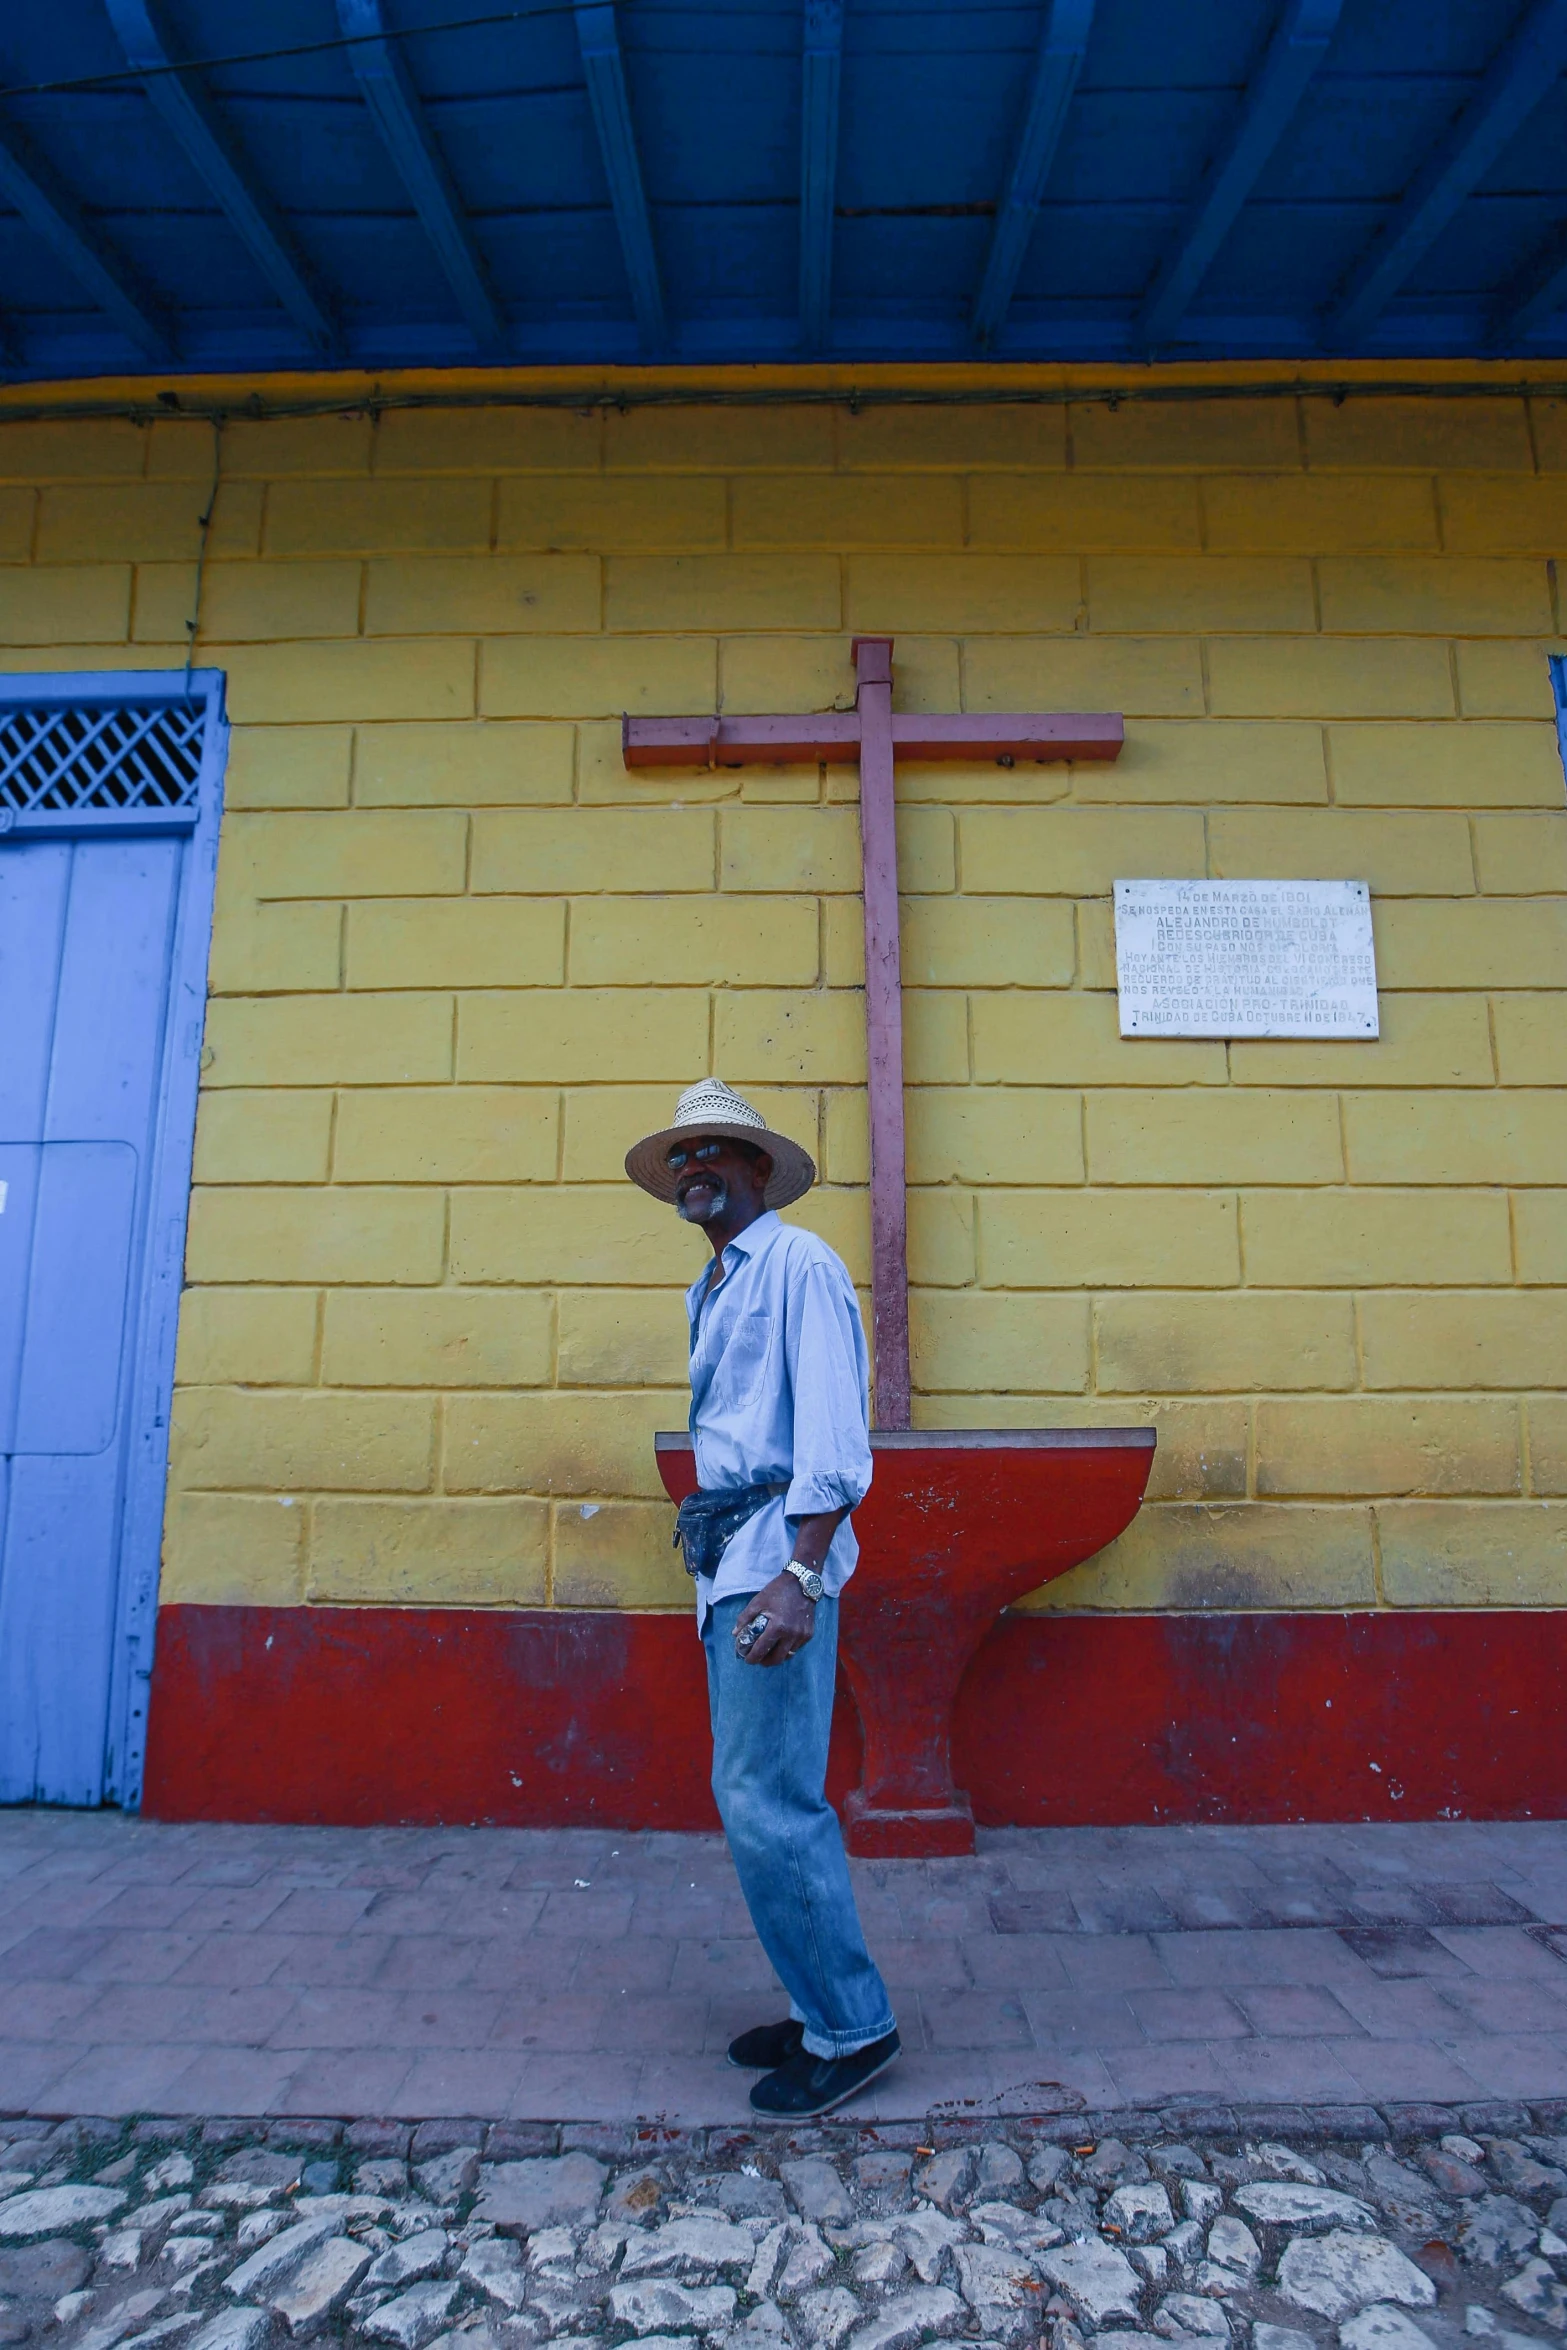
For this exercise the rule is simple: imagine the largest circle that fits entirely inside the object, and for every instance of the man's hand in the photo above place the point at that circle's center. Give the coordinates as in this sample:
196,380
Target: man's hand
791,1617
791,1620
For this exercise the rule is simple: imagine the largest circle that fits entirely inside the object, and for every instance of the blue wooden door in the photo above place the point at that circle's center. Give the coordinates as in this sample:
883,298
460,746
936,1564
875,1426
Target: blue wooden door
95,951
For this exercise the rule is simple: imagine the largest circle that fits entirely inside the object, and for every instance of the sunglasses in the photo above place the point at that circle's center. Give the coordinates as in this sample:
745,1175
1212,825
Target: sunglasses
679,1156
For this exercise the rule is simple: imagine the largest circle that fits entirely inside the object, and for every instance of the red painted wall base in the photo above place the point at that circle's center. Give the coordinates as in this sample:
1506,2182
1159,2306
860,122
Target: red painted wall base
361,1716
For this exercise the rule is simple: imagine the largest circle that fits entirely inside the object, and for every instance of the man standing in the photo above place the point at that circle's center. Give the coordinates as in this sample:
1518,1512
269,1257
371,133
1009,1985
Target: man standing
780,1417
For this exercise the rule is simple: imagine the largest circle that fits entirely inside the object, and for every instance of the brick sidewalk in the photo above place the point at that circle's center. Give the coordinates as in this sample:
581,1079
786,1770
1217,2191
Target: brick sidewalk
508,1974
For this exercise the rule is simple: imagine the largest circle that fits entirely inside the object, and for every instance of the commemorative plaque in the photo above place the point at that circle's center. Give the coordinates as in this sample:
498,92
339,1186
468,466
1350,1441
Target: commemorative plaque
1245,958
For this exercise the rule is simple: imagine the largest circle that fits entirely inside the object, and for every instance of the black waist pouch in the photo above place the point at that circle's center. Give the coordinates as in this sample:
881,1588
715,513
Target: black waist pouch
708,1522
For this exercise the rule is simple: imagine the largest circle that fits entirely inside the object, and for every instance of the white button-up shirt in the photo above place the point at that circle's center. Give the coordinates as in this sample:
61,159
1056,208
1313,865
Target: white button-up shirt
779,1396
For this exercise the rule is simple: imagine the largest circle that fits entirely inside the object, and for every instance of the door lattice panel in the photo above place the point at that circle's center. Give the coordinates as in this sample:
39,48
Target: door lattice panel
90,764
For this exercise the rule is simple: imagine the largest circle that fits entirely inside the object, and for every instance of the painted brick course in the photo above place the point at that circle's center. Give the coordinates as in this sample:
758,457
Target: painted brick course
462,957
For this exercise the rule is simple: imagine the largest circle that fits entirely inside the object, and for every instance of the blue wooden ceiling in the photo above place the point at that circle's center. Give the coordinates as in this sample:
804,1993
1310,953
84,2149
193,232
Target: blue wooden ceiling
221,184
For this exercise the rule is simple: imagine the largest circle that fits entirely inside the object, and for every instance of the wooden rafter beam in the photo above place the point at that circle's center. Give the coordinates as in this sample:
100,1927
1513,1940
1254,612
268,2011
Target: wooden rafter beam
1537,294
181,104
33,190
1522,74
1058,63
821,81
1299,44
598,39
404,129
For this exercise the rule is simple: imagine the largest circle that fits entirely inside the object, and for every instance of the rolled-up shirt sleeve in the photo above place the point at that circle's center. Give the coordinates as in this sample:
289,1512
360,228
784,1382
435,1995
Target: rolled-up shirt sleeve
824,1346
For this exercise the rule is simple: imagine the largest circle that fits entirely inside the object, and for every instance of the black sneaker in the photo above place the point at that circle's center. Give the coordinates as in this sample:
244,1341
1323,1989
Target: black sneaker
768,2046
804,2084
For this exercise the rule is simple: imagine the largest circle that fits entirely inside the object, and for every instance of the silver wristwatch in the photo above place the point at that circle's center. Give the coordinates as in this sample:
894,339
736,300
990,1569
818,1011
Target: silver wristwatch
807,1578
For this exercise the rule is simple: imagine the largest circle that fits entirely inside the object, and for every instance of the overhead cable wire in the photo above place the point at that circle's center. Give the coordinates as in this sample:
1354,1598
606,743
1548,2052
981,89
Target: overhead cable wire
116,77
169,406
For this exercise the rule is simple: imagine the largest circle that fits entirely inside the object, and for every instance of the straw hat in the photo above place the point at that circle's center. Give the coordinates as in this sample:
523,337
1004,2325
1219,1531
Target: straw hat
712,1107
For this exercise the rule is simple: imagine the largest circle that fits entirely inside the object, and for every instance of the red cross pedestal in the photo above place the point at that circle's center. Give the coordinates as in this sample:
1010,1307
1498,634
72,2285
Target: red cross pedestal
958,1523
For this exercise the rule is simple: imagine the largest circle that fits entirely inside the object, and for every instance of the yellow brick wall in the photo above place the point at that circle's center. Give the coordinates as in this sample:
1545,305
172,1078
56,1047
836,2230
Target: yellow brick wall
462,957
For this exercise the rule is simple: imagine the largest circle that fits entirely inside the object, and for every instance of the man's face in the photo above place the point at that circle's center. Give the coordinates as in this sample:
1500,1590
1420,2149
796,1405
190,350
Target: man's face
713,1177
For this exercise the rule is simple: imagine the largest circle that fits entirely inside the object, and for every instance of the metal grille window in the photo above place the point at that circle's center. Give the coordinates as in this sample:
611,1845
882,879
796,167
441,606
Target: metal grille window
90,766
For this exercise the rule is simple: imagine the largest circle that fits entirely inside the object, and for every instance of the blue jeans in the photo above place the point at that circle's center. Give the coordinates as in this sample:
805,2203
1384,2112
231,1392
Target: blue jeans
770,1728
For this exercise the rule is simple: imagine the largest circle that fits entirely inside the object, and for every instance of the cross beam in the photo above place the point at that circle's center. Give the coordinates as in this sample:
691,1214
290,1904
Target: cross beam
875,737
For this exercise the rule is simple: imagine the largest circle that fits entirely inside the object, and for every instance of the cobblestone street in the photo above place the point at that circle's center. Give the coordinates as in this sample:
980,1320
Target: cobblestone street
515,1975
1401,2235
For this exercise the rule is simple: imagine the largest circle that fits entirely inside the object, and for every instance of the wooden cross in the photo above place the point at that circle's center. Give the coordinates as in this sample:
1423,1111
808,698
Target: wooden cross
873,735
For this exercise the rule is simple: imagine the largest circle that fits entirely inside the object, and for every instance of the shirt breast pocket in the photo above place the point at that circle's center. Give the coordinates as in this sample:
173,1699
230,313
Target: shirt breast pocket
742,1368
